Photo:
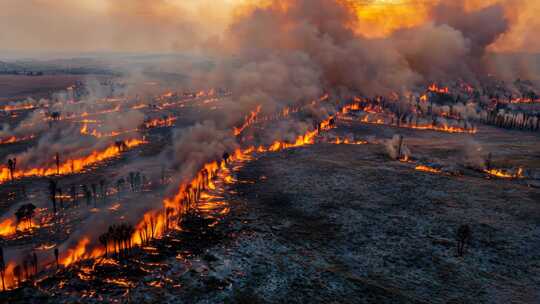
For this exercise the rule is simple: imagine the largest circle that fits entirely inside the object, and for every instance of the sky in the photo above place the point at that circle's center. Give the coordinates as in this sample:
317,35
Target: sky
181,25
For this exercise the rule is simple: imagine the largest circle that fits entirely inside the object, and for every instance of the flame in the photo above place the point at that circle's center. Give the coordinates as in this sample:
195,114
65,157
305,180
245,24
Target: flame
155,223
505,174
160,122
8,227
524,100
432,127
71,165
425,168
86,114
97,134
139,106
14,139
346,141
436,89
442,128
248,120
10,108
80,252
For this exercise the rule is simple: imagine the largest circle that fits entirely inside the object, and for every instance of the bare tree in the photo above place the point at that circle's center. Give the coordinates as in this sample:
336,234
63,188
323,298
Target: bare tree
73,194
132,181
119,183
463,237
94,193
25,214
25,269
35,262
102,188
17,275
12,163
61,198
52,193
104,240
57,160
2,268
56,253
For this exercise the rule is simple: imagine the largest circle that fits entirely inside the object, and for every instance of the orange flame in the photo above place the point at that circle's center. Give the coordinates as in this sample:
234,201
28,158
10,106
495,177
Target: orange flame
80,252
436,89
248,120
72,165
425,168
160,122
505,174
14,139
10,108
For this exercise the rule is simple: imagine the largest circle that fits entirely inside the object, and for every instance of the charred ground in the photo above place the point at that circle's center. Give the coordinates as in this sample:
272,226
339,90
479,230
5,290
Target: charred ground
338,223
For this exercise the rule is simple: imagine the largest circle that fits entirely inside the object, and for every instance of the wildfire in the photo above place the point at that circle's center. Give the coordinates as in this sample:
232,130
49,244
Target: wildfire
425,168
505,174
524,100
436,89
10,108
80,252
72,165
139,106
14,139
97,134
9,227
84,115
431,127
156,223
442,128
160,122
248,120
346,141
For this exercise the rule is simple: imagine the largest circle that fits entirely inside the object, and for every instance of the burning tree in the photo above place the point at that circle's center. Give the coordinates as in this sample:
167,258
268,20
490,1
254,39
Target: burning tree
119,237
57,160
2,268
120,145
17,275
25,214
463,237
104,240
12,163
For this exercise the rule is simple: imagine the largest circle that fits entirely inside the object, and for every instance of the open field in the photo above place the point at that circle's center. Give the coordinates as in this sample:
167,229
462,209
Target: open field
343,223
20,87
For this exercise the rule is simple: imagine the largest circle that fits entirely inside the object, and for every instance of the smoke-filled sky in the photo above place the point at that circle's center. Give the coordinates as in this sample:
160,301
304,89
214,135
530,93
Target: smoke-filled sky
177,25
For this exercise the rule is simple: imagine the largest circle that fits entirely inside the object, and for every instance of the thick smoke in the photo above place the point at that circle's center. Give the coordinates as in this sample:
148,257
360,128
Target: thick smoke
196,146
289,50
481,28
